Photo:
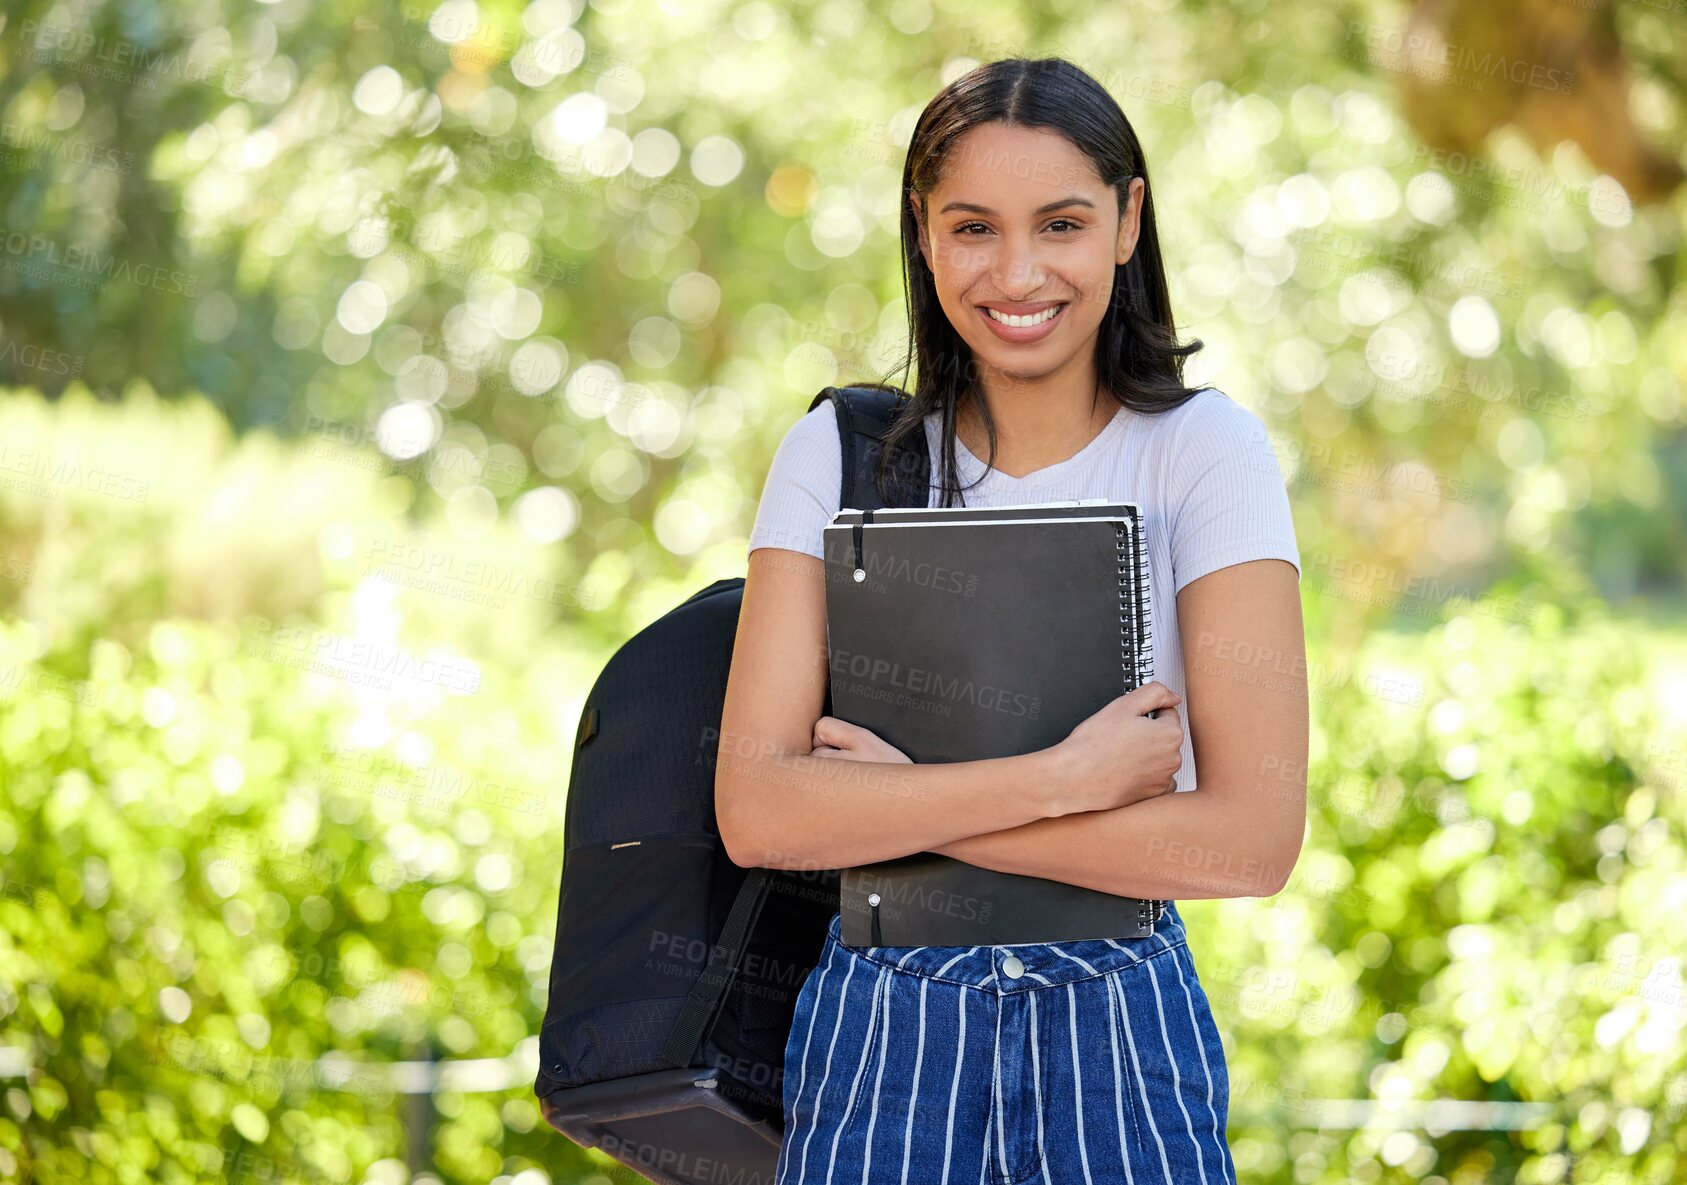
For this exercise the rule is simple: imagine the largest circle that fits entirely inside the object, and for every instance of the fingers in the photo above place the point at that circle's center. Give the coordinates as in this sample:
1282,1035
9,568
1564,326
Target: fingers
1151,697
843,739
1162,695
829,730
1163,715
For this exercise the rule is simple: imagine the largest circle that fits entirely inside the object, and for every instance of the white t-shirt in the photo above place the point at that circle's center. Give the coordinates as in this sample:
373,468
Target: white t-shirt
1204,474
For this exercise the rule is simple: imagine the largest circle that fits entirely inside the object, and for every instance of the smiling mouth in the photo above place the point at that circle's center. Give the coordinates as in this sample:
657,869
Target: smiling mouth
1026,321
1023,319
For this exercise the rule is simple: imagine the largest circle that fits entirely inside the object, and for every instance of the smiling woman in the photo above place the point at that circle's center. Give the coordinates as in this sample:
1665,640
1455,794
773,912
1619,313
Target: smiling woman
1049,370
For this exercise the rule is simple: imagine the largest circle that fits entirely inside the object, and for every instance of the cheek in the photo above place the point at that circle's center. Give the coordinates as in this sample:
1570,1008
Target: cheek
955,263
1094,283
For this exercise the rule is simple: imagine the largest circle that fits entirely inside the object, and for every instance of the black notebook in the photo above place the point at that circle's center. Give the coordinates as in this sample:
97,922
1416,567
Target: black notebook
975,632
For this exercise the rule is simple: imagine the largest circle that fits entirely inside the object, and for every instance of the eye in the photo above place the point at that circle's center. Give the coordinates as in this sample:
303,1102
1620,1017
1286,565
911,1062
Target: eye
1070,225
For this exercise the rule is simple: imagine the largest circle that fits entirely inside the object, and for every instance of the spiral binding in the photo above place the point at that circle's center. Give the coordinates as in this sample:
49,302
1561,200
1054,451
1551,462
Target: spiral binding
1136,637
1135,627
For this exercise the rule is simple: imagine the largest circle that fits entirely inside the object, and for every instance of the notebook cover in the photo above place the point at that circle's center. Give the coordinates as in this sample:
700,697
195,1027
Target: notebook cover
983,636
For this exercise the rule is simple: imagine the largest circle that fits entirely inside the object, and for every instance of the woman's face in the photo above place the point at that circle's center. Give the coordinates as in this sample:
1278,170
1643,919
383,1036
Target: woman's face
1022,224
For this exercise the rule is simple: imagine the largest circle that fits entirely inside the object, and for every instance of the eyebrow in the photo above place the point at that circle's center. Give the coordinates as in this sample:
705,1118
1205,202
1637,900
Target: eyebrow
1074,200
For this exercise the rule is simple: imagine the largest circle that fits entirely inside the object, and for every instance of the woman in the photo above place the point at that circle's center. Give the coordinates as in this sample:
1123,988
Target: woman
1045,341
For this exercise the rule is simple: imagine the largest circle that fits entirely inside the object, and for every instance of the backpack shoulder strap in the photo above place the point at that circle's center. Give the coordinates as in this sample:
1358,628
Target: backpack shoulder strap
865,412
697,1016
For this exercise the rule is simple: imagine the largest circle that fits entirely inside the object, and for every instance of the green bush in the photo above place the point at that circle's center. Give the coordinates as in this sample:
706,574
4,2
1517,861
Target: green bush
222,867
237,837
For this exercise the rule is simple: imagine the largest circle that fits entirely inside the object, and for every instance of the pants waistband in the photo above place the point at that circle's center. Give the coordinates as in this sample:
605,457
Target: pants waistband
1019,966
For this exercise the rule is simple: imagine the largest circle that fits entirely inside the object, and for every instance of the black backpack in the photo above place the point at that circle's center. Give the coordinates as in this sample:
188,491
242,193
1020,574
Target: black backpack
675,973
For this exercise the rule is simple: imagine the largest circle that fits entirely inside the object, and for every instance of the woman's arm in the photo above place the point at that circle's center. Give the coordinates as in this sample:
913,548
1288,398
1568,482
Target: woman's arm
1239,833
779,807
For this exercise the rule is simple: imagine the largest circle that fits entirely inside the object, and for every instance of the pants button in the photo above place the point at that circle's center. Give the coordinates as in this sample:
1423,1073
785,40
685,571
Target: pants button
1012,967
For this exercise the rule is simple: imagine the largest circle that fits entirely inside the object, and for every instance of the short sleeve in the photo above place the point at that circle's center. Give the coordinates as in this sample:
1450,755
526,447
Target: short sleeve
1227,500
804,484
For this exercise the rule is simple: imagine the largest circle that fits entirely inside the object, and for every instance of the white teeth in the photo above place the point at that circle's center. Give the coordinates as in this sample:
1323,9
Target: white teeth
1021,322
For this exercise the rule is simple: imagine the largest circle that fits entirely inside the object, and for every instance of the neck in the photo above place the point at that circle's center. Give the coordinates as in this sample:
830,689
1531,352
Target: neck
1037,424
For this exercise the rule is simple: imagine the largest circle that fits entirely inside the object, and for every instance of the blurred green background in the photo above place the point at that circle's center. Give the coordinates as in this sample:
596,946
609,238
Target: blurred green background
371,370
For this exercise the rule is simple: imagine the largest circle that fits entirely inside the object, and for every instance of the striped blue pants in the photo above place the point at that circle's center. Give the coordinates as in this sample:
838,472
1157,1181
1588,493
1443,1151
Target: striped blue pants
1071,1063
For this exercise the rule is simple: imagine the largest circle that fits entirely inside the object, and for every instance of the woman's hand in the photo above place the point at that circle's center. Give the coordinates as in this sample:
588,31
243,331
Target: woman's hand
840,739
1120,755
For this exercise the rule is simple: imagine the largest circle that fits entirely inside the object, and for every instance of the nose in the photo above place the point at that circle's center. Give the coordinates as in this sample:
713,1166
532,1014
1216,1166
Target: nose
1016,270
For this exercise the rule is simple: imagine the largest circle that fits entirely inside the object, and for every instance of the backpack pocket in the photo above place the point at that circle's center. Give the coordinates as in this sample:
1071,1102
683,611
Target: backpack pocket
632,936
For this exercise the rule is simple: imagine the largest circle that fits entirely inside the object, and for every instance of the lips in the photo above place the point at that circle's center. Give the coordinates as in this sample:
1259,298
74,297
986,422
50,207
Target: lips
1021,334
